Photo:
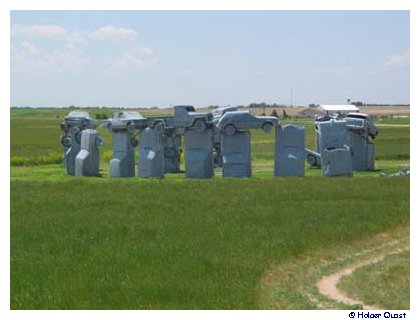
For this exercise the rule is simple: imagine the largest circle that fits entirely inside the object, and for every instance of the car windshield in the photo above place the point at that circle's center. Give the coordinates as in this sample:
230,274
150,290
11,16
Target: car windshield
357,116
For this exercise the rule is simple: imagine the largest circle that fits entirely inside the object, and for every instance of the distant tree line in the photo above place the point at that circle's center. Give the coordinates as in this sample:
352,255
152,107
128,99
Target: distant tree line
253,105
313,105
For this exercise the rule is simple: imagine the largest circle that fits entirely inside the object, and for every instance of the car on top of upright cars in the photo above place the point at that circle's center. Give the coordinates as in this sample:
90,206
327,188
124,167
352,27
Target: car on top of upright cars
234,121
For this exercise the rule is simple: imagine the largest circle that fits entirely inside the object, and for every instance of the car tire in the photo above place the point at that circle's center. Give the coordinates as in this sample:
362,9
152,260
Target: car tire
134,142
266,127
66,141
199,125
311,160
131,128
169,152
230,129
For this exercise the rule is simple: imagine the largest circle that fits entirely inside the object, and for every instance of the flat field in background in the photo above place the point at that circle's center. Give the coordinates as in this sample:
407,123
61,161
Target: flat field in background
176,243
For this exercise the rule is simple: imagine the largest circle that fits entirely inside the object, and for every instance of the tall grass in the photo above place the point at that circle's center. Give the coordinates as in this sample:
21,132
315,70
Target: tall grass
181,244
51,158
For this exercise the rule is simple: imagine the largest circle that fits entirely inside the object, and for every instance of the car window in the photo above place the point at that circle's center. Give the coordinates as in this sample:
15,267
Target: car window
190,109
356,116
248,117
241,117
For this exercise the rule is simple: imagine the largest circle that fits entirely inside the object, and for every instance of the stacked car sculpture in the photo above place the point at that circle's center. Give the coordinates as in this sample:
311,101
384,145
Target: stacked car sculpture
221,138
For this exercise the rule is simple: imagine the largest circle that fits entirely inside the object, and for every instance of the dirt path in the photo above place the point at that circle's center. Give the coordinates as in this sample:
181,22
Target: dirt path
328,284
310,282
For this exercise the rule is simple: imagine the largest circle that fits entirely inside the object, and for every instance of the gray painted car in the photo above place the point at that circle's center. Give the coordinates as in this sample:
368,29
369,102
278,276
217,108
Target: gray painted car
231,122
219,112
358,121
187,117
125,120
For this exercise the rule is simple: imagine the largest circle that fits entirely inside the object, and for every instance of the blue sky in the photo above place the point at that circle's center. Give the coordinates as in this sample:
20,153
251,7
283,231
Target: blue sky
159,58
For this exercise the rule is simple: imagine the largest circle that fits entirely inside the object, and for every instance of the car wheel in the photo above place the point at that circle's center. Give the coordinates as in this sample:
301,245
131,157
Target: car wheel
66,141
199,125
134,142
266,127
169,152
131,128
230,129
311,160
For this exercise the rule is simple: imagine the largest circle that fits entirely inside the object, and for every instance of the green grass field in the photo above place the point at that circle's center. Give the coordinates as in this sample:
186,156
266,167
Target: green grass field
176,243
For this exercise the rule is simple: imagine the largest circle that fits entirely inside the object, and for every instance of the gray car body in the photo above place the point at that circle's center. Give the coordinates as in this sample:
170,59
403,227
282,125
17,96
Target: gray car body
186,116
363,122
244,120
220,112
125,120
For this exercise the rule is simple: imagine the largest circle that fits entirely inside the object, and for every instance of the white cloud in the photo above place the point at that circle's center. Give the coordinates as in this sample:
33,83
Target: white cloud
31,51
47,31
29,48
398,60
27,58
60,33
139,59
111,32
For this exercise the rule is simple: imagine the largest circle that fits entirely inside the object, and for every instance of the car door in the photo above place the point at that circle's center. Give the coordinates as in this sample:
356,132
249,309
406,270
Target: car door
247,121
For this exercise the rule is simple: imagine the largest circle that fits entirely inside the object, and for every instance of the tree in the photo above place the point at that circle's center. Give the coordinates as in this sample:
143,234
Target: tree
101,116
358,103
285,115
274,113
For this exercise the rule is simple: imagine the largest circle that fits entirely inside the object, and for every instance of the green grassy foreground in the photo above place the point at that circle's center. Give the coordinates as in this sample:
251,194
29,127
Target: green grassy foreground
185,244
101,243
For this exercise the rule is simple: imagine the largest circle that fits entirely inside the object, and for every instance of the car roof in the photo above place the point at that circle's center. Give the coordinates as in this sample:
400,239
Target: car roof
238,112
357,115
225,108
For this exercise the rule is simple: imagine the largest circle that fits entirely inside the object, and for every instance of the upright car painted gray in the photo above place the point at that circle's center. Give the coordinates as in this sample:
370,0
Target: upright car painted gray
123,126
289,153
87,160
217,114
361,130
334,145
72,126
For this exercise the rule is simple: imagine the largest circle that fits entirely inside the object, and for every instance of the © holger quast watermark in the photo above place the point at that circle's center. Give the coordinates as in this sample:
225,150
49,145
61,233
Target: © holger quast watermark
377,315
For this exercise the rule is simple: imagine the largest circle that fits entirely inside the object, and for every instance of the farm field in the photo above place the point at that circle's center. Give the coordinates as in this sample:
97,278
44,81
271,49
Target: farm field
176,243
